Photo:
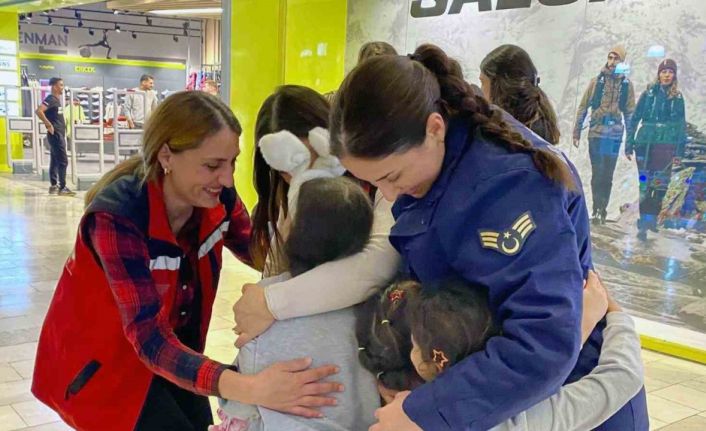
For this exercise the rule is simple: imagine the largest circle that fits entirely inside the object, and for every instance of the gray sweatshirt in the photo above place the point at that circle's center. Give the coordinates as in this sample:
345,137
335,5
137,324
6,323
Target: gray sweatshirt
587,403
327,338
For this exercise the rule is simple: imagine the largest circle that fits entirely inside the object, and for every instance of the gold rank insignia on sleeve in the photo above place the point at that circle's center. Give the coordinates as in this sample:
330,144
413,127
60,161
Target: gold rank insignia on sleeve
510,241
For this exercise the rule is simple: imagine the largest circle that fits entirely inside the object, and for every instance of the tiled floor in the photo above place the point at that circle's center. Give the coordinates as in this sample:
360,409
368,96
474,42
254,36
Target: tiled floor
37,233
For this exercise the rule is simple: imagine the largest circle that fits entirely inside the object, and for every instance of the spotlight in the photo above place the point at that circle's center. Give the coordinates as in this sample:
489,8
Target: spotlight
149,20
77,14
175,38
80,24
91,32
186,25
45,12
115,12
117,28
29,16
66,30
22,17
49,21
134,35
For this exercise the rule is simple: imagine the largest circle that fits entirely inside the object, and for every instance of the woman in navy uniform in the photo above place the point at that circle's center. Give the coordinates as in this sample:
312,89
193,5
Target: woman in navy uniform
480,196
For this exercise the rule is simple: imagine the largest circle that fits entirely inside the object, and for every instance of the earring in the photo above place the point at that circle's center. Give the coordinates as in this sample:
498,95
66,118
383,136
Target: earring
167,171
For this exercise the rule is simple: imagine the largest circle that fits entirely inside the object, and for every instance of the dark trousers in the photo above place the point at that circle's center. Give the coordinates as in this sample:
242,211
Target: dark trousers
171,408
654,167
604,155
58,160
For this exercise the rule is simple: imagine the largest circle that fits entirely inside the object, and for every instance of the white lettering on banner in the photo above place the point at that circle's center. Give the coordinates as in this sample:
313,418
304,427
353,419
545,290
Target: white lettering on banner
212,239
165,263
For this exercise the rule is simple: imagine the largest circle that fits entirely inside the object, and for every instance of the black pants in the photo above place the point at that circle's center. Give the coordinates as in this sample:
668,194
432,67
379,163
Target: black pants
604,155
654,167
171,408
58,159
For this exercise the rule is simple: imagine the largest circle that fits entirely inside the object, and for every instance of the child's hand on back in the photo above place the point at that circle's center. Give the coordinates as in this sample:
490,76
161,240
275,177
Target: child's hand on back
595,304
388,395
612,305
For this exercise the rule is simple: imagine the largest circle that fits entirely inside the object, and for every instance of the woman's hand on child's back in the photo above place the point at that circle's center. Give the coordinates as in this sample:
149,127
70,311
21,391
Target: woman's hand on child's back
595,304
287,387
251,314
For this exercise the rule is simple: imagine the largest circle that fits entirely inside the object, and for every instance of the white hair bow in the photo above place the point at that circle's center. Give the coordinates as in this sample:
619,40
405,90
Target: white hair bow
284,152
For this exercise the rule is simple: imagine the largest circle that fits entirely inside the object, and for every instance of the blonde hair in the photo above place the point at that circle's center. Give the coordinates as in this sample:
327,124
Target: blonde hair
181,122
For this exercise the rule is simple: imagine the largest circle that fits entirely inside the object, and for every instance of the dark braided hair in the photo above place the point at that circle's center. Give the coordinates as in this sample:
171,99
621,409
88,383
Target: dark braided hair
384,337
383,105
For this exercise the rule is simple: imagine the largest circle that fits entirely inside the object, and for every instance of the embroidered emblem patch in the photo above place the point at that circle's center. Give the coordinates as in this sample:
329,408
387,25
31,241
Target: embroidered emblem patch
510,241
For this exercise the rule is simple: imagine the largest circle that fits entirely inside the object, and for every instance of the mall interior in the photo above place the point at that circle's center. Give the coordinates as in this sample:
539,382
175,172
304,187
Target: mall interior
120,60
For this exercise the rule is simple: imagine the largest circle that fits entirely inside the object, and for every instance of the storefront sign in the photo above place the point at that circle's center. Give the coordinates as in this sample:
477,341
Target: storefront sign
8,47
423,8
8,62
44,39
85,69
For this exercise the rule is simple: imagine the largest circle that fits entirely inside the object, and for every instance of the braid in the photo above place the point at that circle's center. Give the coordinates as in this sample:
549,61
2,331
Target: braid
460,101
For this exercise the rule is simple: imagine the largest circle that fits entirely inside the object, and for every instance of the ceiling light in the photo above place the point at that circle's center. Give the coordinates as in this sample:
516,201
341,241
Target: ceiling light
80,23
195,11
91,32
117,28
66,30
49,21
115,12
149,20
134,35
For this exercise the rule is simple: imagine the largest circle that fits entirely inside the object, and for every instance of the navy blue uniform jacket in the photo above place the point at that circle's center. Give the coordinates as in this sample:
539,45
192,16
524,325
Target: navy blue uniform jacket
494,219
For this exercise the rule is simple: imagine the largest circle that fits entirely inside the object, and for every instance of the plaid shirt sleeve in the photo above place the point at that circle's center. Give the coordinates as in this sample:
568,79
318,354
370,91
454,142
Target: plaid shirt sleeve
122,252
237,239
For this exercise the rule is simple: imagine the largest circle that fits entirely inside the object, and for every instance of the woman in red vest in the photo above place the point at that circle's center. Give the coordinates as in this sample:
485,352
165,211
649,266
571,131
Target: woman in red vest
122,344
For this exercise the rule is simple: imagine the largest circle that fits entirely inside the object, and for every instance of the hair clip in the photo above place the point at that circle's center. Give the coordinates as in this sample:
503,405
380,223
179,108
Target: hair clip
440,359
361,348
395,295
385,321
377,376
536,81
413,57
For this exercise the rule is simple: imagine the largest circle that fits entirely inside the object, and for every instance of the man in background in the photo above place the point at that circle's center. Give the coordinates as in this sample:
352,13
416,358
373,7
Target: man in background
140,104
51,112
611,98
